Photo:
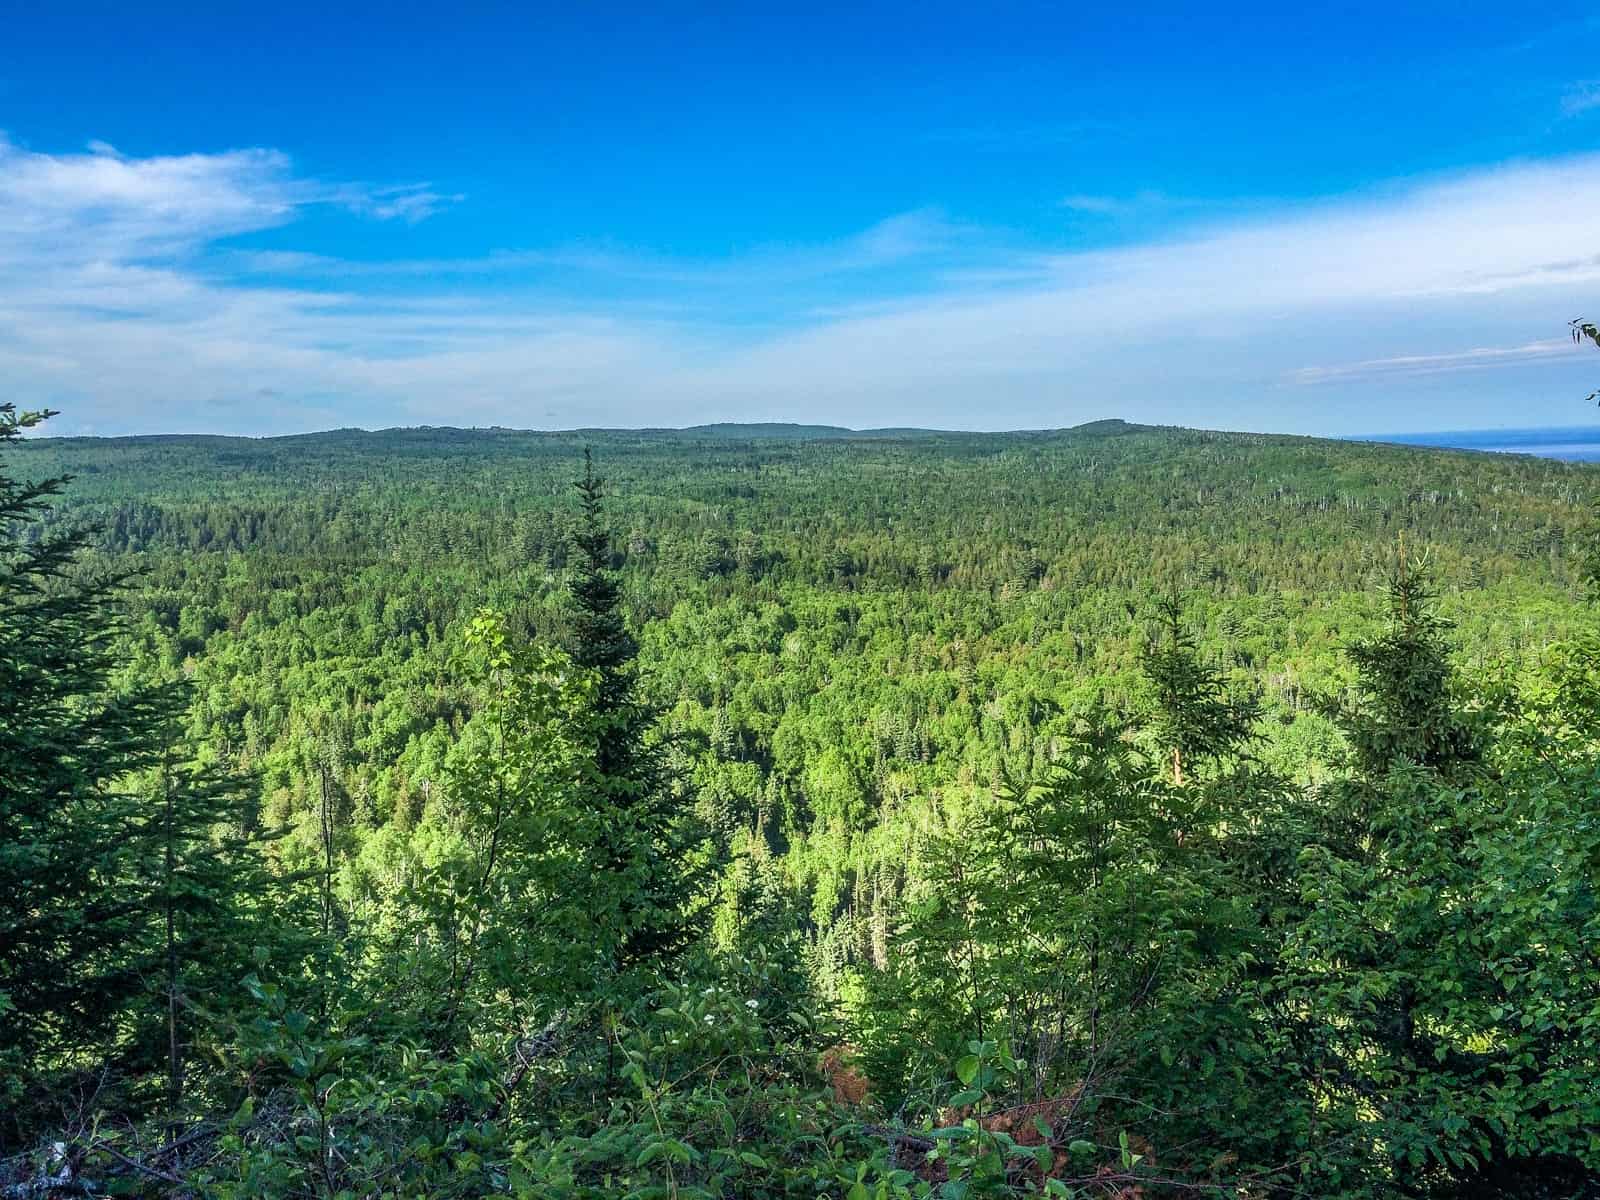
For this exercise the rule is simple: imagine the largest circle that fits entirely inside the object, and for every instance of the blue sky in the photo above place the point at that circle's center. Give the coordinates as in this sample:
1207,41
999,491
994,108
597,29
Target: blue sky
266,219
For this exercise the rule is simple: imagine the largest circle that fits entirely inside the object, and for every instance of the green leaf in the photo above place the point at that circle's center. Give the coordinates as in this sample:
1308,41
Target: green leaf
967,1068
650,1153
679,1152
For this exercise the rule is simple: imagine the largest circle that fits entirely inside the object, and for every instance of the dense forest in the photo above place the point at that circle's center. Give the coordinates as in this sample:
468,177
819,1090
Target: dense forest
765,811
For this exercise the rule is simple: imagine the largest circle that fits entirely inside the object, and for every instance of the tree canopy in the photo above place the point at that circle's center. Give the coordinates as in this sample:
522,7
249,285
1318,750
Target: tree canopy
1103,812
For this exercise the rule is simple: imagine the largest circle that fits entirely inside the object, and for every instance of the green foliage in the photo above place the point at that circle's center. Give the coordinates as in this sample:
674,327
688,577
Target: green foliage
494,904
1414,954
720,1095
643,842
836,855
1197,724
107,888
1404,709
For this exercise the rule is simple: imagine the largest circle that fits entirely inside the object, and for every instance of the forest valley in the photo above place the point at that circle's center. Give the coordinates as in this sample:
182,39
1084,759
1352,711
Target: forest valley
1110,812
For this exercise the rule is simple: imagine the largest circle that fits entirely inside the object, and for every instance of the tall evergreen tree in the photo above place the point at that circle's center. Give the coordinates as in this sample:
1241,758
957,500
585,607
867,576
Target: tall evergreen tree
646,838
109,889
1386,959
209,900
67,741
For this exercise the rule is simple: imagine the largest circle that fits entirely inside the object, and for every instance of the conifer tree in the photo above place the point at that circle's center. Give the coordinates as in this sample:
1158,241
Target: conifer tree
1387,875
1404,710
209,901
1196,721
108,889
645,840
67,740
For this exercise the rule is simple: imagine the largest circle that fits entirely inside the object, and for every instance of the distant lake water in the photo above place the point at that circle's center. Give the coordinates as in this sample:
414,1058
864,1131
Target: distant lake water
1577,443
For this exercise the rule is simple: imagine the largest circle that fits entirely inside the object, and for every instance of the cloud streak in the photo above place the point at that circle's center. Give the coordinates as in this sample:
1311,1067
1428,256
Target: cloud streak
1477,359
1581,98
124,302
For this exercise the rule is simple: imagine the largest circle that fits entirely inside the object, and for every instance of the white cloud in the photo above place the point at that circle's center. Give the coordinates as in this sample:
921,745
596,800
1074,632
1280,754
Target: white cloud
120,305
95,205
129,208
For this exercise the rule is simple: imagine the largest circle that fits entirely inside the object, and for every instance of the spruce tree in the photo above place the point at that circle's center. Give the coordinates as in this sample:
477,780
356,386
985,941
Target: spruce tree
67,740
645,840
1404,710
117,902
209,900
1385,962
1196,721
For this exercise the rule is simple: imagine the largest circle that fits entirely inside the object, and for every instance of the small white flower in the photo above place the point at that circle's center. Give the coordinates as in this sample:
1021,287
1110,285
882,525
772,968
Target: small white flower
752,1005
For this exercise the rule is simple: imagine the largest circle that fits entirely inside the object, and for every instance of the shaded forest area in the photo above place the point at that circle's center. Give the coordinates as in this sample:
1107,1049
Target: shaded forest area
1117,811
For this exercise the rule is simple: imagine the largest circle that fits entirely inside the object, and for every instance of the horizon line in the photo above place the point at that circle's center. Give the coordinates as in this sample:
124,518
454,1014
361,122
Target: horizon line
1394,437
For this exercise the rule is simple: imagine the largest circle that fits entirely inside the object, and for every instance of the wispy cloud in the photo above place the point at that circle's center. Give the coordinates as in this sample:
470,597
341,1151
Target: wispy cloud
123,302
1097,205
411,203
1143,201
154,204
1476,359
893,241
1581,98
131,208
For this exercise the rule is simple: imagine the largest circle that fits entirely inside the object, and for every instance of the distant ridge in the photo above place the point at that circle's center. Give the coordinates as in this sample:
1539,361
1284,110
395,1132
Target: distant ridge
771,429
793,431
719,430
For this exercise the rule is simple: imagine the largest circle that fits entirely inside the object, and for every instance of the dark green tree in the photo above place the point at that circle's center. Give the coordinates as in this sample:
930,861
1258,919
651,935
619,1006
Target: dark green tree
1385,962
118,898
1404,709
68,740
646,839
1196,721
210,899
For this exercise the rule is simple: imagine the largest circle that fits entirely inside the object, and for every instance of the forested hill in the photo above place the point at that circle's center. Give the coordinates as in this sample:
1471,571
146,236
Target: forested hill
1105,503
803,812
844,620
